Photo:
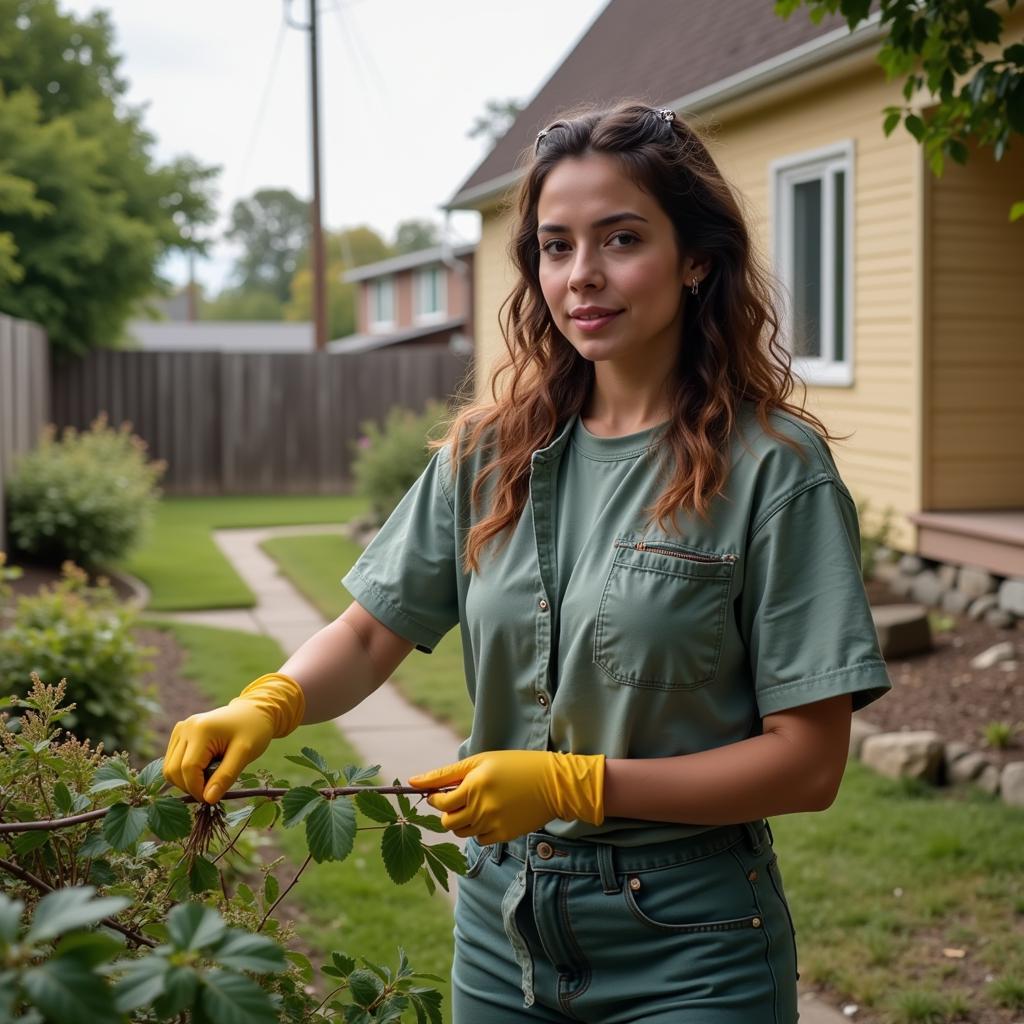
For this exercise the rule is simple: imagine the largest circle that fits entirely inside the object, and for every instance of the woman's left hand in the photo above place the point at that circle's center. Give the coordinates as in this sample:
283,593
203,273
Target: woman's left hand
502,794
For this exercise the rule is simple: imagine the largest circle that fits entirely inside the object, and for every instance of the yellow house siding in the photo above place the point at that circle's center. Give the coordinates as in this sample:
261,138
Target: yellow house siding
493,282
975,424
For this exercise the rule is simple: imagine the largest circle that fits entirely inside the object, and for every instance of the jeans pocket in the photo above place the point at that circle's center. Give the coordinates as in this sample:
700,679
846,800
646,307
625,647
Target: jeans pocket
775,875
700,896
476,855
661,618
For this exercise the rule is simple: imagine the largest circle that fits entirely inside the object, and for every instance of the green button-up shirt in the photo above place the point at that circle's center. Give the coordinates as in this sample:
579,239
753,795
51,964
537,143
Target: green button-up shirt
670,642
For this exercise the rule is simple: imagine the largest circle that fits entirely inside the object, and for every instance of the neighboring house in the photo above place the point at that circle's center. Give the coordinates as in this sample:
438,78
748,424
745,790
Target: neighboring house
222,335
912,285
423,298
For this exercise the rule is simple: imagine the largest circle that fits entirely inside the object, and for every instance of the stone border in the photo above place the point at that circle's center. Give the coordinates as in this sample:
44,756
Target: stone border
140,592
925,755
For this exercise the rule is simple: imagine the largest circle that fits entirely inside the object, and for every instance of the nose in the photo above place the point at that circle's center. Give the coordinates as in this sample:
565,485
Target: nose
586,270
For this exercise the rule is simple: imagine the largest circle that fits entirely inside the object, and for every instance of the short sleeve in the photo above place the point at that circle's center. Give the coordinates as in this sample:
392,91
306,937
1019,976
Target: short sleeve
803,610
406,577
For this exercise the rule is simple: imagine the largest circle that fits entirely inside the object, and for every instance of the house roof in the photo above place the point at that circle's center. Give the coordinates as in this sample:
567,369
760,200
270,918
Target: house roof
366,342
406,261
675,53
222,336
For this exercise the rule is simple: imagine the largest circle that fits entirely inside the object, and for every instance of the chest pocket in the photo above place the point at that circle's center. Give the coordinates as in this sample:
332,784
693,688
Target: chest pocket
661,618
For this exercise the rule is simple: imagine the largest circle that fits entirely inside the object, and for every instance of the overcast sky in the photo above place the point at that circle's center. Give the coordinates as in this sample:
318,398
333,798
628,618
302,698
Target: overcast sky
402,81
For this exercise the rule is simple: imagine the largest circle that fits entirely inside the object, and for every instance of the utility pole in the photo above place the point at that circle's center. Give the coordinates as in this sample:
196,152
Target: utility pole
317,237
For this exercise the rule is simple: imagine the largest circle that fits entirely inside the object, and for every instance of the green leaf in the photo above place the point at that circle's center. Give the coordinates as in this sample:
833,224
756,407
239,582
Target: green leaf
891,120
402,848
238,815
153,772
25,842
203,875
299,802
265,815
93,845
365,987
143,981
169,818
915,126
66,990
404,803
376,806
228,998
123,825
436,867
270,888
180,987
431,1003
10,918
89,948
345,963
355,776
245,894
1017,211
245,951
450,856
110,775
194,926
66,909
317,760
331,829
62,798
382,972
302,962
431,822
428,880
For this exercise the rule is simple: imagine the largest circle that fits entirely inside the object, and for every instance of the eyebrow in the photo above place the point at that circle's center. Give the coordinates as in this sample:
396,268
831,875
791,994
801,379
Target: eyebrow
612,219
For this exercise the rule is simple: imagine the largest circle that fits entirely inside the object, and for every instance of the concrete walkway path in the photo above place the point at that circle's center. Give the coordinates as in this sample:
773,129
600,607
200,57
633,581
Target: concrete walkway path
385,728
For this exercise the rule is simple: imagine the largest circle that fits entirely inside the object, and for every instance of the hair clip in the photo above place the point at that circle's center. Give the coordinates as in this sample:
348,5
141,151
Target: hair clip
667,115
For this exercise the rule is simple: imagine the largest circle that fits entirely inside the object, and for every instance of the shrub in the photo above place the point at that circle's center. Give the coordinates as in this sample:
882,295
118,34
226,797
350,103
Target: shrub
74,630
88,497
388,461
118,904
874,538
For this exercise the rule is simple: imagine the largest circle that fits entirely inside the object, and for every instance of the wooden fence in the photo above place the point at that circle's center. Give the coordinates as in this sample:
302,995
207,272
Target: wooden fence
24,395
253,423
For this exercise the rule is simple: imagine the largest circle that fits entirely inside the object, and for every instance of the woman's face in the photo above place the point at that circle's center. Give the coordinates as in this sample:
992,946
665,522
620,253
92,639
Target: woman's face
628,267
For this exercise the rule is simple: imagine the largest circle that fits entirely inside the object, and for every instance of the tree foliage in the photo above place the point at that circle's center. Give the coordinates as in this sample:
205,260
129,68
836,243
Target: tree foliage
87,213
935,45
496,119
413,235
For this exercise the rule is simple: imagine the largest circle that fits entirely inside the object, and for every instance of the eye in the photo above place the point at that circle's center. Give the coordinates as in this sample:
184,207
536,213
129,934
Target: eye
547,246
627,235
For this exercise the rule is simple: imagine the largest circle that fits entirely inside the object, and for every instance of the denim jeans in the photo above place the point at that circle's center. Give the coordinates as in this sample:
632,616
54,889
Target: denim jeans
692,931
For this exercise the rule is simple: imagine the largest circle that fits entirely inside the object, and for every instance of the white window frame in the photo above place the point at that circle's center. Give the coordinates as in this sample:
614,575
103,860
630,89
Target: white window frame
376,285
783,173
441,312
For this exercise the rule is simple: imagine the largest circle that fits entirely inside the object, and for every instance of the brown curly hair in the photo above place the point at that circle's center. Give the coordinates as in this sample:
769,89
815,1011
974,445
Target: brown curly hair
731,351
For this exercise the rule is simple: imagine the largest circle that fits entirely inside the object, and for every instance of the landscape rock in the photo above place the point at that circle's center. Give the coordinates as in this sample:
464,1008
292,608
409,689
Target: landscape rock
915,755
989,779
910,565
976,582
1000,619
859,731
947,576
1011,596
982,605
967,768
901,585
902,629
955,749
955,602
1004,651
928,588
1011,784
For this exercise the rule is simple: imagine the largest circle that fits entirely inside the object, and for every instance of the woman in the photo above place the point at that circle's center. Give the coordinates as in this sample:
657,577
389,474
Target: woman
655,566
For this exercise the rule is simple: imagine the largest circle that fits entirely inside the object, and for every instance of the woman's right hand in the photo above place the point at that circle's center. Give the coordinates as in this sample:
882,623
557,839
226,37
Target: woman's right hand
236,733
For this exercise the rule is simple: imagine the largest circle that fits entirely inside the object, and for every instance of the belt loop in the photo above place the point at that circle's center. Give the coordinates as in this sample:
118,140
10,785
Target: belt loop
498,850
606,864
768,829
754,835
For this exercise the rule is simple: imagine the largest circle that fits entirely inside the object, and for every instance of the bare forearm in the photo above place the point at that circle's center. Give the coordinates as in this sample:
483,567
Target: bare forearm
334,670
755,778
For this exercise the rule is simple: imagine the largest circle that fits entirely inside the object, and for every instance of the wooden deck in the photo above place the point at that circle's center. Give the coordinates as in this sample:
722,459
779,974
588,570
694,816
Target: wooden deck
990,540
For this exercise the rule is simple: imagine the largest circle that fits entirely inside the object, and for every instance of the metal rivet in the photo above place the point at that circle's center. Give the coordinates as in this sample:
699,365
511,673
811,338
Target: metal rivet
543,605
634,884
756,922
753,875
544,851
542,700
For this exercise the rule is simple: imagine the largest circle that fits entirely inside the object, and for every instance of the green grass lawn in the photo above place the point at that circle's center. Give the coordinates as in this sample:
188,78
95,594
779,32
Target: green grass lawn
184,568
435,682
351,905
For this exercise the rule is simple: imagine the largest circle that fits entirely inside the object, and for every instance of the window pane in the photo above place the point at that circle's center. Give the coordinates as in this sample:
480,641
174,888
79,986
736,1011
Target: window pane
807,268
839,283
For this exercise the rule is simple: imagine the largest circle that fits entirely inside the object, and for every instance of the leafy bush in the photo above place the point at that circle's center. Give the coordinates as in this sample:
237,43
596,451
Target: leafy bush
873,538
88,497
116,906
388,461
74,630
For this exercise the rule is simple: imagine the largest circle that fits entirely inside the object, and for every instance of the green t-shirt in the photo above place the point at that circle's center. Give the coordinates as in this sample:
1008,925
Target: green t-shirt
668,641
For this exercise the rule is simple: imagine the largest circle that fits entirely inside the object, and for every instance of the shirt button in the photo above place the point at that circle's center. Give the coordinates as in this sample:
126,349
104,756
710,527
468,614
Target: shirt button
545,851
543,605
542,700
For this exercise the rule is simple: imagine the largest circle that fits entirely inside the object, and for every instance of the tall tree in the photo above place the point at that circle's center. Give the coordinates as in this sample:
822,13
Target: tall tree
934,45
496,119
413,235
350,247
87,212
272,226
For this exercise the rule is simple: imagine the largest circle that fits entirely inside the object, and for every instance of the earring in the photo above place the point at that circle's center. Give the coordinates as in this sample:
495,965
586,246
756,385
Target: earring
693,286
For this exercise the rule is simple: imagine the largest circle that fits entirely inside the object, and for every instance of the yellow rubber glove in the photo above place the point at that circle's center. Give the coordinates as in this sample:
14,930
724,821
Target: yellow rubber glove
268,708
507,793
